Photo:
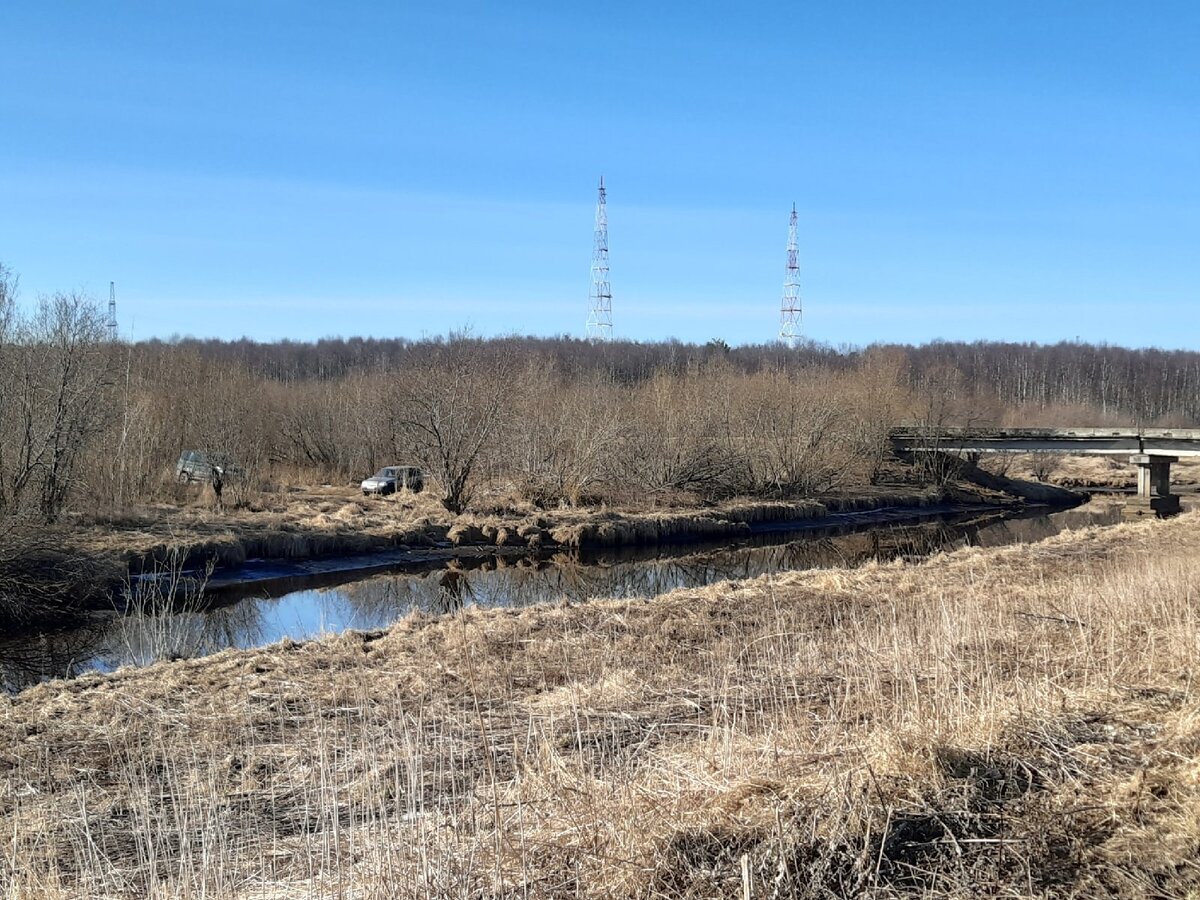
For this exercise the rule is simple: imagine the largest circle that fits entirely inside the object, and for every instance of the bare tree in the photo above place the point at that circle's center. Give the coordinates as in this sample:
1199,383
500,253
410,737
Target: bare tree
939,403
72,328
8,301
58,373
445,415
51,384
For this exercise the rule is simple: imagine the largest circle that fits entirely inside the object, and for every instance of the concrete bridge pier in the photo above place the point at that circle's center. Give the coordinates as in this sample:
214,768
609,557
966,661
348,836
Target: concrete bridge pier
1154,495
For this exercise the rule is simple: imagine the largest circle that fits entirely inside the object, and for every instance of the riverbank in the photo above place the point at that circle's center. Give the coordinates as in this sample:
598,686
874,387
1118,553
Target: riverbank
339,523
256,574
328,522
1014,721
264,602
1094,473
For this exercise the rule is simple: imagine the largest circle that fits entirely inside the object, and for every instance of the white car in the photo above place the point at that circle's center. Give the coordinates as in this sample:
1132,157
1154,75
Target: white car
390,479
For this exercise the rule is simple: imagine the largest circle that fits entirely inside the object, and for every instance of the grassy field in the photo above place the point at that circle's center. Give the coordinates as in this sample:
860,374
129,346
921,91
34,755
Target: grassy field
1009,722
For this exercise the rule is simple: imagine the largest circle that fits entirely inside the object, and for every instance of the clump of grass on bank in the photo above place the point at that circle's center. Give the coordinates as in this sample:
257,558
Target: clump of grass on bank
1015,721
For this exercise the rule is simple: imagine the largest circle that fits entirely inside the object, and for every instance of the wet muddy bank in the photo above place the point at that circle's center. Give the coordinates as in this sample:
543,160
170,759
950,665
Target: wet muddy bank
568,528
257,574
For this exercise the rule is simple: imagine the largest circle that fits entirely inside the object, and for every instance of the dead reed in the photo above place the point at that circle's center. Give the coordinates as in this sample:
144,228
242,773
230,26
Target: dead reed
1017,721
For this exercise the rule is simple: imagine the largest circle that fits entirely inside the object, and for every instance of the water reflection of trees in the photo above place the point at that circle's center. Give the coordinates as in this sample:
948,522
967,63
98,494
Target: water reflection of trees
143,639
568,577
575,579
120,640
61,654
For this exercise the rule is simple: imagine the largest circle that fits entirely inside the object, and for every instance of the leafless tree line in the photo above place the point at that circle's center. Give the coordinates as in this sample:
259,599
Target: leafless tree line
477,415
112,420
87,424
1102,382
1046,384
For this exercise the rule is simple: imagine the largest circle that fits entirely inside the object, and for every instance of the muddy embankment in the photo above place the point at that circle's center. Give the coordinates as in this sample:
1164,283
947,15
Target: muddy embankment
560,530
354,530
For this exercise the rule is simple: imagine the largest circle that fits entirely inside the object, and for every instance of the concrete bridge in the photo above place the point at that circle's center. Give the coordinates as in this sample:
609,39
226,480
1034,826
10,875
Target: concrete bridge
1152,450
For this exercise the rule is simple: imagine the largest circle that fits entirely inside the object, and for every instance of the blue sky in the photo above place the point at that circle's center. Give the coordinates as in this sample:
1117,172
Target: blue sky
1012,170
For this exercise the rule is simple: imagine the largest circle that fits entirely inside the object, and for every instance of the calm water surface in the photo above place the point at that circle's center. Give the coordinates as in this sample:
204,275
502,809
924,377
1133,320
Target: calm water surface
351,600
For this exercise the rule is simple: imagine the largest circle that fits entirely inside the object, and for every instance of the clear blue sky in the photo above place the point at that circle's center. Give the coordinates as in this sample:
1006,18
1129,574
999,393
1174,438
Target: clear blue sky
1015,170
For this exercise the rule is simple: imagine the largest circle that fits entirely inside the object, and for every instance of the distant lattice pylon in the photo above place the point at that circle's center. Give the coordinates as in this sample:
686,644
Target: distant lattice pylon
599,320
790,310
111,322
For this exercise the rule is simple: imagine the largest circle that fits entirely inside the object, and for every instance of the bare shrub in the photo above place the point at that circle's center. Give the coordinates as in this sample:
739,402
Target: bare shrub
997,463
799,435
673,441
1044,464
561,437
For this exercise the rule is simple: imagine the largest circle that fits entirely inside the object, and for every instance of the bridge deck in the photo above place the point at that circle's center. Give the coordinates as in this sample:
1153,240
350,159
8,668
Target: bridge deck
1091,441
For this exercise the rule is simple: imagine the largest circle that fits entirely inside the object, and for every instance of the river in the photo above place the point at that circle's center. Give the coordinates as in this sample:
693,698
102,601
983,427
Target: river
249,613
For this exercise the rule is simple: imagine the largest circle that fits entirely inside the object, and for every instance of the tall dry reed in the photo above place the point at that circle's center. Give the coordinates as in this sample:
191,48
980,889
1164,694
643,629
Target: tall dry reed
1017,721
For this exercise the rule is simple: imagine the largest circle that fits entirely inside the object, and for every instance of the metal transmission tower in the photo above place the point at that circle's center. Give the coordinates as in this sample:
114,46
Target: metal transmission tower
790,311
112,311
599,321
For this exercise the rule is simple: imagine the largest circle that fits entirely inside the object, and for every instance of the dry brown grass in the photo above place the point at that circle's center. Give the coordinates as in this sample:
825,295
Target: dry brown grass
1017,721
279,525
1102,472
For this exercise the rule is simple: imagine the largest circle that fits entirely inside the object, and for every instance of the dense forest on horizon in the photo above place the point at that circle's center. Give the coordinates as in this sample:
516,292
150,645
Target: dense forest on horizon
1132,384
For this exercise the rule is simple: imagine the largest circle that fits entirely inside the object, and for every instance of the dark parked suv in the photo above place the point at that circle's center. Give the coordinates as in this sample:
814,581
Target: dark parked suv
199,465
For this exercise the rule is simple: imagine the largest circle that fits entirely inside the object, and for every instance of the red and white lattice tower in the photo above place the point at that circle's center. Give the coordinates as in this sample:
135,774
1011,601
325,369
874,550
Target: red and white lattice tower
790,310
599,320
